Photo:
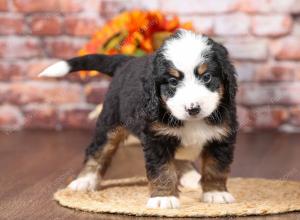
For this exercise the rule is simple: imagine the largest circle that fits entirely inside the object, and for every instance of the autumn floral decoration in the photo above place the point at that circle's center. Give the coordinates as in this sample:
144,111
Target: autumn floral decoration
134,33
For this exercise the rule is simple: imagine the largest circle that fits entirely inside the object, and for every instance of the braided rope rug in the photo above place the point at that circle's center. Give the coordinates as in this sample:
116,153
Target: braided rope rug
129,196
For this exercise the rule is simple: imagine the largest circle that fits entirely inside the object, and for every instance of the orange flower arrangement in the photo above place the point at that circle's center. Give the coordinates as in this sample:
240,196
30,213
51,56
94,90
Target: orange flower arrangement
134,32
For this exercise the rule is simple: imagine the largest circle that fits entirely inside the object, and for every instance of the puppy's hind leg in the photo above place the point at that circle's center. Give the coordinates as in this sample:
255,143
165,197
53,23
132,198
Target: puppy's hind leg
98,158
188,175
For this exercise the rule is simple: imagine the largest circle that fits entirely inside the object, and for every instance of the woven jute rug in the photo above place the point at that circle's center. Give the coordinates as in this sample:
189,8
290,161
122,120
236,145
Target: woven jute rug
129,196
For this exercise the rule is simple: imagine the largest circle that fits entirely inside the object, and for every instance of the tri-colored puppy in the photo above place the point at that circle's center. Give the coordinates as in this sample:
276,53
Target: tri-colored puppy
180,103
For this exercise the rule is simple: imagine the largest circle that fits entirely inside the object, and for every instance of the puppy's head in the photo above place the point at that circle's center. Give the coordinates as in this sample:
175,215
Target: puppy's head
194,74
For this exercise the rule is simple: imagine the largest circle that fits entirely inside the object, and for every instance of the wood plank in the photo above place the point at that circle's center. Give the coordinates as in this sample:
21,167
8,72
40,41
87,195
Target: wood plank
34,164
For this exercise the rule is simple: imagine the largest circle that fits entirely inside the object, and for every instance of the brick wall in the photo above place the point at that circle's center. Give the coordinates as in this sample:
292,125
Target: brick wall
263,37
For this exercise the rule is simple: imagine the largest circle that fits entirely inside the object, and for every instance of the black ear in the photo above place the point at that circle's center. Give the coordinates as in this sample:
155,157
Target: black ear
150,99
228,72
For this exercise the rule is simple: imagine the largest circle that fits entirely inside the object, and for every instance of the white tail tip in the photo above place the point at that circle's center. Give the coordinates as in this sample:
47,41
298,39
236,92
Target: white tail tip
58,69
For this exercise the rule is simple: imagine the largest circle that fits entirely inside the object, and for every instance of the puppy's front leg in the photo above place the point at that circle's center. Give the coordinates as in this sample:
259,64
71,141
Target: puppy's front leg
216,160
161,172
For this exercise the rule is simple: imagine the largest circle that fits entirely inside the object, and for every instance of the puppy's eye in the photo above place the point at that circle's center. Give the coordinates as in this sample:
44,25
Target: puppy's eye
173,82
206,78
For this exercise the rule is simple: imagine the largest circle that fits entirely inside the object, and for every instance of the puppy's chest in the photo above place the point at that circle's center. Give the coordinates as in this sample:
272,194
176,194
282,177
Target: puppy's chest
193,136
198,133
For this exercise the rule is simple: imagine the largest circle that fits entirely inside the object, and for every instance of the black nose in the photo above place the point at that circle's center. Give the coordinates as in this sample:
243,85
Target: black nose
193,110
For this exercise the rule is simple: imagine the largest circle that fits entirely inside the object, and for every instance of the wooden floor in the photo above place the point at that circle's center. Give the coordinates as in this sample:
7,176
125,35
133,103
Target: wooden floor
34,164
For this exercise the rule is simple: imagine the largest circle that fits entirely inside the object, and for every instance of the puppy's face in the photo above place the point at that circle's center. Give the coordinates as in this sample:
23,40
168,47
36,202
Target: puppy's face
192,83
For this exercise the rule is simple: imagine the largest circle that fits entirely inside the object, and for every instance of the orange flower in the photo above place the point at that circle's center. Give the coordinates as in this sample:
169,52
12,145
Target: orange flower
132,33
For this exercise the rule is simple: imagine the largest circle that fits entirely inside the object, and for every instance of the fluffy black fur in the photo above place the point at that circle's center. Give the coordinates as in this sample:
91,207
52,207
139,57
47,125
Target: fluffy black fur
134,101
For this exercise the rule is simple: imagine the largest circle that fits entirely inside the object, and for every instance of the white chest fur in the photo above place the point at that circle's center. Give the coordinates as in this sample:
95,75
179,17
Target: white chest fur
199,132
194,135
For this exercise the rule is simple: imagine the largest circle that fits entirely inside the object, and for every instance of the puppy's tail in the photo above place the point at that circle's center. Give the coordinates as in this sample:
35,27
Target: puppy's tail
99,62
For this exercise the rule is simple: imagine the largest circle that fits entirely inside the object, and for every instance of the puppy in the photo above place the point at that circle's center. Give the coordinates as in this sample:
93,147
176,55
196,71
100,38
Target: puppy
180,103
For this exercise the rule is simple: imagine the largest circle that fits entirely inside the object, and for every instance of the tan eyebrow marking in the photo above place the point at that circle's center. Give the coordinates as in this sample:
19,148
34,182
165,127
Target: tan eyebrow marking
202,68
174,73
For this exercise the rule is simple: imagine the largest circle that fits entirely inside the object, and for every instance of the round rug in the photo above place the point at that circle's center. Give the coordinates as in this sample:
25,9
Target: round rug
129,196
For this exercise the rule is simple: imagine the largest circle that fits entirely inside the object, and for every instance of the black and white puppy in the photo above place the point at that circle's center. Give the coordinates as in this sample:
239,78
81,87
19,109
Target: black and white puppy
180,103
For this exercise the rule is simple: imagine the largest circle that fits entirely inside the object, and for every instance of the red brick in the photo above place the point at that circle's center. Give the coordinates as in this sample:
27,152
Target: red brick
20,47
10,118
40,116
11,71
276,72
295,115
109,8
46,25
91,6
267,6
247,49
113,7
76,117
272,25
196,6
234,24
146,4
11,25
283,93
36,6
95,92
297,73
245,71
30,6
296,27
244,118
81,26
35,66
202,24
71,6
286,49
267,117
3,5
64,47
41,92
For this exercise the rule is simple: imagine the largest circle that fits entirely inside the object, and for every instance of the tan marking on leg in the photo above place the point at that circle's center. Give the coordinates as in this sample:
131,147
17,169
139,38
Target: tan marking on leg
213,179
96,165
104,156
166,183
101,159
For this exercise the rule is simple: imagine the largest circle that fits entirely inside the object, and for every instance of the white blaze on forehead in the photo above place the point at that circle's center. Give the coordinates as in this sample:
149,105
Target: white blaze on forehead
186,51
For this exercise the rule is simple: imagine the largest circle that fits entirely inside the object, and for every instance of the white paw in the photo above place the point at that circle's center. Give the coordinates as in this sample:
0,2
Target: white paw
190,179
218,197
164,202
84,183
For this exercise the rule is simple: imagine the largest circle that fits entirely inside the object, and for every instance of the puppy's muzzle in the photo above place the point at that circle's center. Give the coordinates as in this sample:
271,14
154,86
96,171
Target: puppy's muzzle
193,110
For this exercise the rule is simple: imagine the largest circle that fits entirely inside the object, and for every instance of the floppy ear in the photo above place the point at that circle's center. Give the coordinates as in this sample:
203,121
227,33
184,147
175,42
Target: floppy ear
151,98
228,72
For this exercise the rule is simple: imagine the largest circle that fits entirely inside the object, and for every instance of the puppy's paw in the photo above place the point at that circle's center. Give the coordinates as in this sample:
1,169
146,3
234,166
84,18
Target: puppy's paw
164,202
190,179
84,183
218,197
